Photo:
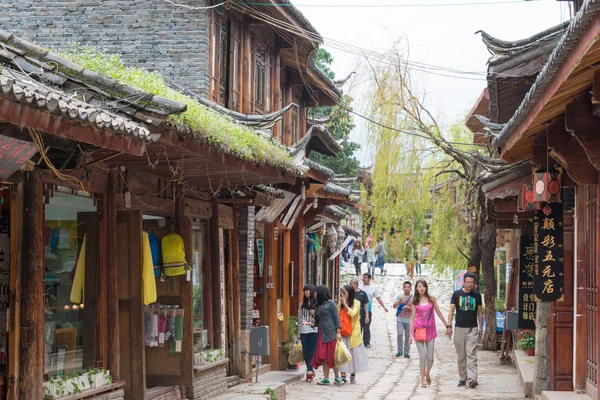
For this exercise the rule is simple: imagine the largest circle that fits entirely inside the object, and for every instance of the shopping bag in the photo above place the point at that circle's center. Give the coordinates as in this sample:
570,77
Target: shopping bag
342,355
296,355
345,322
420,335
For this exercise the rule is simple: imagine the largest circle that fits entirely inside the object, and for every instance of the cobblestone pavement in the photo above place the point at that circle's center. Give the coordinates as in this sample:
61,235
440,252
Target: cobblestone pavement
398,378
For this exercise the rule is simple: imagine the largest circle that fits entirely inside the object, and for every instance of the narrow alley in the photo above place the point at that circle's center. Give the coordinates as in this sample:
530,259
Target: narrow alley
397,378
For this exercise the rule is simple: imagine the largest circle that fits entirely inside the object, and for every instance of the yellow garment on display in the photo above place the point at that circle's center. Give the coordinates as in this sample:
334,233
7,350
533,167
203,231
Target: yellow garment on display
173,255
148,280
79,280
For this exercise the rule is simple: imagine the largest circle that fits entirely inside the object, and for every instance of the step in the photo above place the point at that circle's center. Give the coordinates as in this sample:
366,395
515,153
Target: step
234,380
547,395
526,368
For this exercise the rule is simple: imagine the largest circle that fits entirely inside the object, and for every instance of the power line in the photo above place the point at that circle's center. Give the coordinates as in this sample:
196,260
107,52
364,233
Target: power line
384,5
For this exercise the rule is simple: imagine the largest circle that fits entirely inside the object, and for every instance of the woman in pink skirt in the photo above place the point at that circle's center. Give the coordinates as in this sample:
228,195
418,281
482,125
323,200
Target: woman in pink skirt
328,323
422,326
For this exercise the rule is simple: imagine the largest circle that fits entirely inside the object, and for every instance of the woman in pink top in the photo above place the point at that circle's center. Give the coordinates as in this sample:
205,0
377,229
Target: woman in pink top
423,317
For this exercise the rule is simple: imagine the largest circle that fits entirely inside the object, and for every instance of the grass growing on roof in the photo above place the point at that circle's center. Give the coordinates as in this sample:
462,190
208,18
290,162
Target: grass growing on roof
215,129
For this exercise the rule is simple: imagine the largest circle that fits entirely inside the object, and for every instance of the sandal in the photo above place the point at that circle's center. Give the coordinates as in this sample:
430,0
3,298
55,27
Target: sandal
423,384
428,380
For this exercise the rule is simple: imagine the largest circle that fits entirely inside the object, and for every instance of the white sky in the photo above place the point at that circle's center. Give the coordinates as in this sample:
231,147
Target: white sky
442,36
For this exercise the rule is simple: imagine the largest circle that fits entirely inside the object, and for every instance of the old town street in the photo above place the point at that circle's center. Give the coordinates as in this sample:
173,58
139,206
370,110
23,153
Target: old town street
397,378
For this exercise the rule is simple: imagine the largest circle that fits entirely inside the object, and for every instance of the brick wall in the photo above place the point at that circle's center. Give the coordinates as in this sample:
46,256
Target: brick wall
246,242
209,382
152,34
116,395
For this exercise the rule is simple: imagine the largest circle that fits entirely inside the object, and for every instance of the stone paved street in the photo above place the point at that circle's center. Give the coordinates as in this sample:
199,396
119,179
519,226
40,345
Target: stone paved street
397,378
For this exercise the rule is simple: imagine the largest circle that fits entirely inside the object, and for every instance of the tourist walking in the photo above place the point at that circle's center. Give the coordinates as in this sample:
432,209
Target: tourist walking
468,329
349,307
422,326
363,298
357,254
372,293
328,323
371,260
422,259
381,253
308,329
403,316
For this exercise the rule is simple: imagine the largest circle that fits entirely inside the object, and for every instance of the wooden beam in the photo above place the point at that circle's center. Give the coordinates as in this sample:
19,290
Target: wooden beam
22,115
313,188
285,304
270,276
32,305
113,354
155,205
567,147
197,208
237,317
580,121
510,215
580,320
187,303
16,246
277,85
287,131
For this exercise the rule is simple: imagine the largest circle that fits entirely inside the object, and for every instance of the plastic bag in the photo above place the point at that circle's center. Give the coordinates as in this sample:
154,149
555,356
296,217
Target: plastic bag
342,355
296,355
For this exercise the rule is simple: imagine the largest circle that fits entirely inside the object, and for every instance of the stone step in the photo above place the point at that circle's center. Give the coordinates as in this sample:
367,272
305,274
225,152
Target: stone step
234,380
547,395
526,368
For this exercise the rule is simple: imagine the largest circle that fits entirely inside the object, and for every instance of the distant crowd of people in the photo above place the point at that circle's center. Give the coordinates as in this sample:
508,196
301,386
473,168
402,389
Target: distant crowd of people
323,323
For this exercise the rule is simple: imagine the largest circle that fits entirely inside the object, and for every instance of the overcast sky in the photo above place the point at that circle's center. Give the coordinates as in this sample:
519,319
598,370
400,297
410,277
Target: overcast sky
442,36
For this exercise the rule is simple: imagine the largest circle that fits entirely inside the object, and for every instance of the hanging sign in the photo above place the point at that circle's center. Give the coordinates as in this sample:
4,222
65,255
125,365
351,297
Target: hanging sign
548,277
527,299
260,253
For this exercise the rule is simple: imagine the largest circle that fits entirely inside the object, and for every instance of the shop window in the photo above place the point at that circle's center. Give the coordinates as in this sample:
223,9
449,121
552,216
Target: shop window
236,65
294,125
260,58
199,248
71,256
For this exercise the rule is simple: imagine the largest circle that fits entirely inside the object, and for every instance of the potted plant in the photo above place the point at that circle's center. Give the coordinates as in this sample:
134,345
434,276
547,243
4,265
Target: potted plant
527,342
292,337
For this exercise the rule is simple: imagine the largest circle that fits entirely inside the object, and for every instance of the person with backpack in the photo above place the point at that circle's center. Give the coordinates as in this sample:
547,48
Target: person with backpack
308,328
357,256
349,309
403,314
328,323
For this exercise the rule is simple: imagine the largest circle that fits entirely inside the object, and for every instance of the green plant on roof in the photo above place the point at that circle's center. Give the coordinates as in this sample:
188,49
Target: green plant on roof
207,126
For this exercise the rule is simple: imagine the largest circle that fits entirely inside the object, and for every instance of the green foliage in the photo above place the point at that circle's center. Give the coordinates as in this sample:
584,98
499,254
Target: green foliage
271,393
207,126
340,126
527,340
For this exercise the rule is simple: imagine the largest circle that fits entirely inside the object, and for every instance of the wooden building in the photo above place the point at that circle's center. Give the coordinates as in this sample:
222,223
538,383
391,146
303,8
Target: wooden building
551,121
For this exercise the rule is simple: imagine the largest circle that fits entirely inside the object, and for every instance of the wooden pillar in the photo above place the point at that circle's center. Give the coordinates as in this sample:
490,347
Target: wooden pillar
287,129
580,262
16,242
270,277
246,67
303,108
113,358
234,245
187,302
277,85
215,265
285,304
32,279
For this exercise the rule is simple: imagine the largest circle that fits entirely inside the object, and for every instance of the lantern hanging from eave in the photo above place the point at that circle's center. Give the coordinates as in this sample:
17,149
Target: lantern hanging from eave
526,198
547,187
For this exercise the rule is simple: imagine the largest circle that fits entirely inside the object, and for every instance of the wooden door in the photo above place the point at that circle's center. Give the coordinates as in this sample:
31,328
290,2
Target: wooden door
590,283
560,323
131,312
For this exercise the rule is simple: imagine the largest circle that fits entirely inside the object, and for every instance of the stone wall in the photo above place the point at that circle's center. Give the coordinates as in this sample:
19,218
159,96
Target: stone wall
153,34
246,243
209,382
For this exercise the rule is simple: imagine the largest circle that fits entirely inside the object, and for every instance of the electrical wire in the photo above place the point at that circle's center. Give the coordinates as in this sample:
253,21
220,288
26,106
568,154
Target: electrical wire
196,7
283,5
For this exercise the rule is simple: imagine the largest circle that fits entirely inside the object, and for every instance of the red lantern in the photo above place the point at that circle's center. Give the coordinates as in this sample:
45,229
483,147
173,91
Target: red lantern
547,186
527,198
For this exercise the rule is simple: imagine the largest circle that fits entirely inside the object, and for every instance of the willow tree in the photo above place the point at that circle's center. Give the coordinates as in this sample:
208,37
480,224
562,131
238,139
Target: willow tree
421,171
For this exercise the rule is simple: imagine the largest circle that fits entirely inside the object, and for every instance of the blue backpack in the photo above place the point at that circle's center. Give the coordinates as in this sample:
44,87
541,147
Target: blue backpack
401,306
155,250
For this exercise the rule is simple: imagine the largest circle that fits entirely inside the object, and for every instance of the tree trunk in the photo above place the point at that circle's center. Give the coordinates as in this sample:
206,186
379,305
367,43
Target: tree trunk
488,249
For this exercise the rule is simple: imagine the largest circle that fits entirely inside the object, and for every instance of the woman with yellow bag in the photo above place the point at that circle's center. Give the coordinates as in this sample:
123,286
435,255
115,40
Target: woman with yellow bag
422,326
328,323
349,309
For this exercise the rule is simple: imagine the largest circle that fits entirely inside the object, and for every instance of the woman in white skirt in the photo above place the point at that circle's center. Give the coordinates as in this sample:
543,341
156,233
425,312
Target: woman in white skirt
349,305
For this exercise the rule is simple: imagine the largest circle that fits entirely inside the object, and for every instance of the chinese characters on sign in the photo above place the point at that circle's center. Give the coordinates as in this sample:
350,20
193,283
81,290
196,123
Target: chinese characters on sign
527,300
548,252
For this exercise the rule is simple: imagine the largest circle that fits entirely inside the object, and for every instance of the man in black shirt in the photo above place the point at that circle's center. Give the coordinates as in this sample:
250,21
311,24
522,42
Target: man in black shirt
361,296
468,329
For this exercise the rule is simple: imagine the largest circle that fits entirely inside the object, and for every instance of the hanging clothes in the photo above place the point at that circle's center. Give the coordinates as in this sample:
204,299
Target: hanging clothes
79,279
148,279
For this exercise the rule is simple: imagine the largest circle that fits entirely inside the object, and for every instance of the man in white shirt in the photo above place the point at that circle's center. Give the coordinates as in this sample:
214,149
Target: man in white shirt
372,293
